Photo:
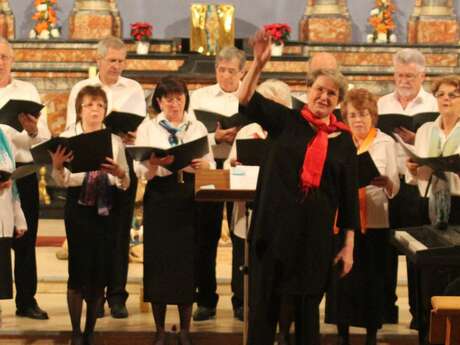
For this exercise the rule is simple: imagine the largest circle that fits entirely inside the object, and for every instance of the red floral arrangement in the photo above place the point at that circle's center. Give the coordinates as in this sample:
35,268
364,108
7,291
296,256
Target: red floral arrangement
279,32
141,31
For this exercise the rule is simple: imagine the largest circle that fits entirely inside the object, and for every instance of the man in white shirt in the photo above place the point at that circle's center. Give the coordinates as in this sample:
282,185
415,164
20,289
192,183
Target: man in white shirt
408,98
125,95
35,130
221,98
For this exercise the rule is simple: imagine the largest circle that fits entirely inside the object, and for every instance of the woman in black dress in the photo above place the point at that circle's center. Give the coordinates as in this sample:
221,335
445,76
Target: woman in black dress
90,214
309,179
356,300
169,207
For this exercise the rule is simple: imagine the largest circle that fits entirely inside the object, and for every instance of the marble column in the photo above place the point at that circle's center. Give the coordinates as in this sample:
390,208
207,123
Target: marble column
94,19
6,20
433,21
326,21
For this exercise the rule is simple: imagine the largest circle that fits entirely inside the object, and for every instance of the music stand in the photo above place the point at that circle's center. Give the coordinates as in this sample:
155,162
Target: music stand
222,192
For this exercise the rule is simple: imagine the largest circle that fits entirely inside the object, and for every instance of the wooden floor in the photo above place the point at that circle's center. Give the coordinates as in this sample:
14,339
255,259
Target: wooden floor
138,327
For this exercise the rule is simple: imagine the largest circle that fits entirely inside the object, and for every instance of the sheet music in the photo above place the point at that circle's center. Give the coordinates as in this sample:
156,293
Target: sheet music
244,177
412,244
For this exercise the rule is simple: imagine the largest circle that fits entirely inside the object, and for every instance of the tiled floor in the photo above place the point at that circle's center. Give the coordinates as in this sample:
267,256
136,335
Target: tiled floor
51,296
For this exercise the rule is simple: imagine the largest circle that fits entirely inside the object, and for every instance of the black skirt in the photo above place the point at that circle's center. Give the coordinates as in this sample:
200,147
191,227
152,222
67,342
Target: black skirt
6,275
357,298
169,240
90,241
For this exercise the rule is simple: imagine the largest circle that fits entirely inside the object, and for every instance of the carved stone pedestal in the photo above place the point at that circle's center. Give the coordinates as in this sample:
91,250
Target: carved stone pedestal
433,21
326,21
6,20
94,19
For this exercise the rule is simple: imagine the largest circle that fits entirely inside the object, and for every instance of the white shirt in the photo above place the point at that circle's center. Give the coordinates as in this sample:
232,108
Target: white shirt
125,95
11,214
22,90
422,147
213,98
65,178
383,153
150,133
251,131
424,102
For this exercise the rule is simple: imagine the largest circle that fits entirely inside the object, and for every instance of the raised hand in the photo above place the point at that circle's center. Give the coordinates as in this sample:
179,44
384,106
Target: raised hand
261,47
60,157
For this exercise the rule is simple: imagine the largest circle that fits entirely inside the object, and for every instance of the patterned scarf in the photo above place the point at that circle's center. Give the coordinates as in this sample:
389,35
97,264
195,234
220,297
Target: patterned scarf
315,155
439,203
96,191
173,131
5,147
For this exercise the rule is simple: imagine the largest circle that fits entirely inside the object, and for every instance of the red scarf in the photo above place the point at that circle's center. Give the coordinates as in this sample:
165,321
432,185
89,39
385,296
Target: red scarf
315,155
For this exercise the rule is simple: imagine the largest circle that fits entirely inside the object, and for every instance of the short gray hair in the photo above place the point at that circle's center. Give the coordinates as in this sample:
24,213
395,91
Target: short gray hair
4,41
337,78
276,90
105,44
229,53
408,56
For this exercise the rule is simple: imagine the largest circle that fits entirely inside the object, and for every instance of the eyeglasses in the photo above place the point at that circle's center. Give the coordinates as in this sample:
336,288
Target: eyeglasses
407,76
358,115
229,70
450,95
5,58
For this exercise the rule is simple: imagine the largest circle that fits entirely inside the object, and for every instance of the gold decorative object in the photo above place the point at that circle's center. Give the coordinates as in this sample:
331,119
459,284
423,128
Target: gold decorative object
43,193
212,27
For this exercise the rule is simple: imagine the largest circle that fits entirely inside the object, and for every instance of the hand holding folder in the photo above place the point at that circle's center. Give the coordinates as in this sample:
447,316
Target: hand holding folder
14,107
438,164
183,154
90,150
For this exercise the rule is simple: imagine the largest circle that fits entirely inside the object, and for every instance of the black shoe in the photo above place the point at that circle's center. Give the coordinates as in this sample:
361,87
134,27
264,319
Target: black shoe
341,340
371,340
238,313
413,324
88,339
119,311
184,338
33,312
203,314
284,339
76,340
100,311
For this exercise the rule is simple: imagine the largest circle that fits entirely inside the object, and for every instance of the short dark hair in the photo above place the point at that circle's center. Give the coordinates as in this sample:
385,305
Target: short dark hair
166,86
94,92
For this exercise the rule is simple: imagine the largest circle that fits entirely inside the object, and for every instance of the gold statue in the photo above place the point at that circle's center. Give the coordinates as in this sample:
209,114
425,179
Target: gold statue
212,27
43,193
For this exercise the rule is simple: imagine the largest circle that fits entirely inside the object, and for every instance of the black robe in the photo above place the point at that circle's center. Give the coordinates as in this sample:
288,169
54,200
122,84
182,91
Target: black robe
291,235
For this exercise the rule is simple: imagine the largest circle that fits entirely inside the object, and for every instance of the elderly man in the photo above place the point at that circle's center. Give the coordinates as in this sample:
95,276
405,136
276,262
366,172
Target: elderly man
221,98
409,98
35,131
125,95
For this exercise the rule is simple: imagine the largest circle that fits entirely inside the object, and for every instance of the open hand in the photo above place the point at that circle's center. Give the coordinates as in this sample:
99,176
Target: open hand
61,156
29,123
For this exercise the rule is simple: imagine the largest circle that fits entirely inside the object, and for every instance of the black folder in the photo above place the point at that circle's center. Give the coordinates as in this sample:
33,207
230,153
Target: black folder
387,123
251,151
444,163
10,111
122,122
210,120
19,172
89,150
183,154
367,170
